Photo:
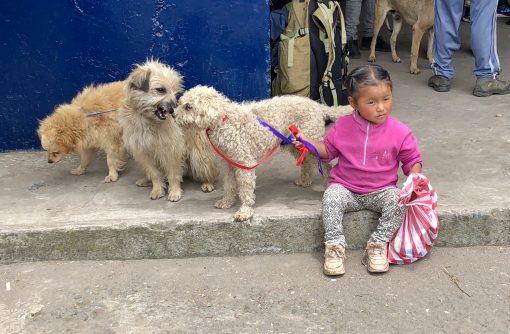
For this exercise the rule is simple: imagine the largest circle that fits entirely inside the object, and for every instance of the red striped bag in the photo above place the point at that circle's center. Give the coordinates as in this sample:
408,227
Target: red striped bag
416,235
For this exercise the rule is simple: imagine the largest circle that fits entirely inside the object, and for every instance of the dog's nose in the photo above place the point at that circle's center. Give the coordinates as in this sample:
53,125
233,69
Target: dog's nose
169,107
50,161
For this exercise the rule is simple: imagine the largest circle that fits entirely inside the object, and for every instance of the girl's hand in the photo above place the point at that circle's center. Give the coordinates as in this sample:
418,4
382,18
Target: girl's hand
295,142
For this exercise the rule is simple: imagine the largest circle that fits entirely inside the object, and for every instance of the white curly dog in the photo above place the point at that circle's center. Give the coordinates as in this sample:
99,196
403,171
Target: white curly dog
236,132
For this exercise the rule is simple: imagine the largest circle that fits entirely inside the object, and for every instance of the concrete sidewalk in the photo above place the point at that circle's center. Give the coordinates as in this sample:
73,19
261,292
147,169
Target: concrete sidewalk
259,294
48,214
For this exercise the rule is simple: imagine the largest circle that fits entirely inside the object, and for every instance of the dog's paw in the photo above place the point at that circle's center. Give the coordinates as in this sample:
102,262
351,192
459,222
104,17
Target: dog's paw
244,213
77,171
396,59
157,193
207,187
415,70
303,182
175,195
371,59
224,203
144,182
111,178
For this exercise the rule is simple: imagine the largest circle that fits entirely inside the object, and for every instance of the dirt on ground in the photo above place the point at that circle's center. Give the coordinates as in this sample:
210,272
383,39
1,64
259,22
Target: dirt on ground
452,290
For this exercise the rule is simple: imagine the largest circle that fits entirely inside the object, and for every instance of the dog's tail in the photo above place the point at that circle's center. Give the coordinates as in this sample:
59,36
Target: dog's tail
331,114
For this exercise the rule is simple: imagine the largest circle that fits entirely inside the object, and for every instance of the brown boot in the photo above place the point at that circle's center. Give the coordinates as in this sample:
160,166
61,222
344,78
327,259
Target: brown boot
376,257
334,257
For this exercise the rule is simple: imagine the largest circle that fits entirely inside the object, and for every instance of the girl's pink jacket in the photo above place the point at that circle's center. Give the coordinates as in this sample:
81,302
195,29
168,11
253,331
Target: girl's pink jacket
369,154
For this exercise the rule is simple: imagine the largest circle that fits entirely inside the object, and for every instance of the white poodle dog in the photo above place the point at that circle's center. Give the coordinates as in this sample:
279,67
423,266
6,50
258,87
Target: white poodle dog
234,129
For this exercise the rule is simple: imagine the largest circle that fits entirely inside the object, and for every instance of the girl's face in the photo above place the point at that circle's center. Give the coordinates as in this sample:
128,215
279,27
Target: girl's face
374,103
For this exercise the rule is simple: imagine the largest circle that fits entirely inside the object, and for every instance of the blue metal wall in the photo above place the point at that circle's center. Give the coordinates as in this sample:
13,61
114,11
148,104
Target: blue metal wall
52,49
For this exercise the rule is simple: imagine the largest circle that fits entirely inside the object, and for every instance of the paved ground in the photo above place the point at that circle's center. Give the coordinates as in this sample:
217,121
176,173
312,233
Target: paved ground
48,214
461,290
45,213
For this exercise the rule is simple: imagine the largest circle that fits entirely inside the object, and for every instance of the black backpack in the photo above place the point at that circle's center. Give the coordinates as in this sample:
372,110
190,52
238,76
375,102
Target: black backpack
311,52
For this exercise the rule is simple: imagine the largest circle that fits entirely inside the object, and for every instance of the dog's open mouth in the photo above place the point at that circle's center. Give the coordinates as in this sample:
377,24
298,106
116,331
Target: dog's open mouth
160,113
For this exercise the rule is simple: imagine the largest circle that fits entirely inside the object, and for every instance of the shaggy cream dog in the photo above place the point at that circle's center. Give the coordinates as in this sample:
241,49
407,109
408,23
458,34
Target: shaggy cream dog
234,130
159,145
86,124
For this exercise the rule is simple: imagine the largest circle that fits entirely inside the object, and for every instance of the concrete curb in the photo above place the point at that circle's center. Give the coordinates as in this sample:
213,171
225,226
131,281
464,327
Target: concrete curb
263,235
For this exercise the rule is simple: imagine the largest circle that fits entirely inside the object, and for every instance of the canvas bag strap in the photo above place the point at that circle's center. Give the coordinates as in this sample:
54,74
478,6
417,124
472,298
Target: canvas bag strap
324,19
298,10
343,38
300,33
341,22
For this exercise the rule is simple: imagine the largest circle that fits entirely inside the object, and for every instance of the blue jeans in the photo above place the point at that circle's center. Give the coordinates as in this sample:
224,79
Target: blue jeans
353,9
448,14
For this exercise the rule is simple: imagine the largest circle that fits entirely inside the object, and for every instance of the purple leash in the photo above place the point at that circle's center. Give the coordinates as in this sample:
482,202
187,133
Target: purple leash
100,113
288,141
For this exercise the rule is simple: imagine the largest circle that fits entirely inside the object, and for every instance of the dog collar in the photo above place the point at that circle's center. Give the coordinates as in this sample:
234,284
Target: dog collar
222,121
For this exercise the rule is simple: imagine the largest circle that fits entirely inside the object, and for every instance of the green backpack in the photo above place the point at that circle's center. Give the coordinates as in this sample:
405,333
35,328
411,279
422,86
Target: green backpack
312,60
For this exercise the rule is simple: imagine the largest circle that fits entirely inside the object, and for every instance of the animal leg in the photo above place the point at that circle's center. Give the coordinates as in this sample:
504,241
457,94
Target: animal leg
203,167
86,156
306,177
144,182
246,190
152,173
229,190
115,162
397,26
380,15
429,45
174,178
415,48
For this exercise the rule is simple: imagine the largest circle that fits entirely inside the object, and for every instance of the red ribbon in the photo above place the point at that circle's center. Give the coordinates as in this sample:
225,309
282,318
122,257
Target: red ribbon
303,149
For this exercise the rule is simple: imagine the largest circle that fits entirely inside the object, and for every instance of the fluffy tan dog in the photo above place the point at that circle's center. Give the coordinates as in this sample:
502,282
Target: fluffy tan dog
159,145
235,131
418,13
72,128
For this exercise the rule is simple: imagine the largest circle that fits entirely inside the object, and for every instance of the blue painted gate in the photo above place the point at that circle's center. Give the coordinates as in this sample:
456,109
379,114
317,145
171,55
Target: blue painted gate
50,50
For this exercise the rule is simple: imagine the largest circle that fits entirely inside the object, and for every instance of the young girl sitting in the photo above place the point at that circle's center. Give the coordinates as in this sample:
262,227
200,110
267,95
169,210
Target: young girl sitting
369,145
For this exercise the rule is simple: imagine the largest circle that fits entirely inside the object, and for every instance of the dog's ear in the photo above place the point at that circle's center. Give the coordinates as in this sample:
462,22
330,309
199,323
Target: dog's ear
140,79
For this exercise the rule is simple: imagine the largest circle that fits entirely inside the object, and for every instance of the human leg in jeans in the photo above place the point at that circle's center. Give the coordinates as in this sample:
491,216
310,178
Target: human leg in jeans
368,16
484,45
352,13
483,41
447,17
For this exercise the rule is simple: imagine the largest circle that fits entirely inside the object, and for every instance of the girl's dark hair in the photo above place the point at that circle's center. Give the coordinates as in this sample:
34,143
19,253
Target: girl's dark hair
366,75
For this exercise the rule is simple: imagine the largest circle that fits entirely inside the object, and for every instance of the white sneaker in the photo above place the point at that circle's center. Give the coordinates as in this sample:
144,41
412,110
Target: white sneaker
334,257
376,257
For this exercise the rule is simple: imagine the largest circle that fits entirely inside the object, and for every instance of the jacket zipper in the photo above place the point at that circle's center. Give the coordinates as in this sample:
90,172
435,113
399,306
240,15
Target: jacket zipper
366,143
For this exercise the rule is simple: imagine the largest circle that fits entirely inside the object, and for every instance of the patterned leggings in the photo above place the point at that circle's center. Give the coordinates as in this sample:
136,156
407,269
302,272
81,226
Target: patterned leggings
337,200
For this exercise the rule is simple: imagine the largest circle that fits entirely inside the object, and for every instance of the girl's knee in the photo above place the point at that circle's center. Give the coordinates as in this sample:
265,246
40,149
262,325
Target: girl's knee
335,191
391,197
334,195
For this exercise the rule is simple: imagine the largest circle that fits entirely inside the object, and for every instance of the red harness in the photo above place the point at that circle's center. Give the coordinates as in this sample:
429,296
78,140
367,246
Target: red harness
232,162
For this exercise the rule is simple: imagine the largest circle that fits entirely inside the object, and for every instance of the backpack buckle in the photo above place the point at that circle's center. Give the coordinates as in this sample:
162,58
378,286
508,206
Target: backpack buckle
302,32
327,76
